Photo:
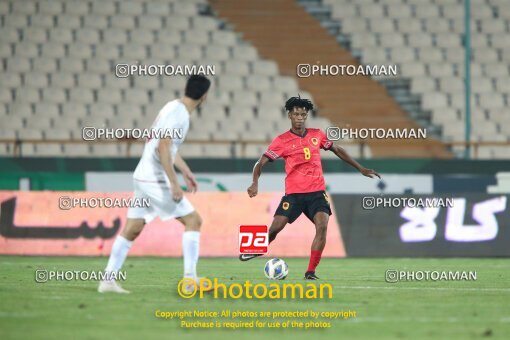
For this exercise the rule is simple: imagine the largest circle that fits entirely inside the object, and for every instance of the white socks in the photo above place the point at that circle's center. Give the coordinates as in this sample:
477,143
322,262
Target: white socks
190,250
118,255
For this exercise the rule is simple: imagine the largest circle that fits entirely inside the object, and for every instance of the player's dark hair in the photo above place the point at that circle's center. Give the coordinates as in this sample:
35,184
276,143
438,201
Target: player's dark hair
196,87
293,102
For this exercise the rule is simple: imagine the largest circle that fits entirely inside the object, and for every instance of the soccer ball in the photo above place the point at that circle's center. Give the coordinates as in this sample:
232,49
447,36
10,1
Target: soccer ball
276,269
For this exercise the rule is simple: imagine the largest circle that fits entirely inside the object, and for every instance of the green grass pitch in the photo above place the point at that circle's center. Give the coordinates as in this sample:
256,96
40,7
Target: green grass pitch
405,310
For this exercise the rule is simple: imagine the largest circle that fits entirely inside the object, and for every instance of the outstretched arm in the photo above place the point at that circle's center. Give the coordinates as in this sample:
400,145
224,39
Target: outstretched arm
257,171
343,155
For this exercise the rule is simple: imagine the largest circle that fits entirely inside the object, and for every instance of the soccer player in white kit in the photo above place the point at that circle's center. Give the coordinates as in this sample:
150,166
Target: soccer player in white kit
155,178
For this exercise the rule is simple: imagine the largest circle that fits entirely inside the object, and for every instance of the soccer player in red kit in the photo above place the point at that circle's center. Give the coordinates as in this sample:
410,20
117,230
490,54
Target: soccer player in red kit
304,183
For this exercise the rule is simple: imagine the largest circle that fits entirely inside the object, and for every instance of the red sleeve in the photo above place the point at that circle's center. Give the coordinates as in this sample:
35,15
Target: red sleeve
325,142
275,149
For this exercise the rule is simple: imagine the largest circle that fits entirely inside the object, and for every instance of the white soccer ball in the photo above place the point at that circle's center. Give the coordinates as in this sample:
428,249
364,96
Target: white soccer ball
276,269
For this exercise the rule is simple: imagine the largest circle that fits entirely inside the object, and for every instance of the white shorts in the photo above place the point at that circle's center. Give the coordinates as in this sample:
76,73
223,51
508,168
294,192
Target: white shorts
161,203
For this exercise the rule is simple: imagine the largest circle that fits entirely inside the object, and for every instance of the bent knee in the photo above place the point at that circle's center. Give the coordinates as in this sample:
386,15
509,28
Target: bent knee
130,235
194,223
133,228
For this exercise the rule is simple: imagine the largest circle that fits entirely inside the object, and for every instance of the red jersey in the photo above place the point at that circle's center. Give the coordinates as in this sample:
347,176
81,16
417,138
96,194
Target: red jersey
302,159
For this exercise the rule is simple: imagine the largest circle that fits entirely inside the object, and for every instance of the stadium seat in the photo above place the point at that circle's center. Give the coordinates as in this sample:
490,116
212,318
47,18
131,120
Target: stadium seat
258,83
413,69
451,84
197,36
482,85
65,124
78,150
10,80
214,52
122,21
184,9
14,122
27,95
112,36
142,36
135,51
423,84
353,24
244,52
99,65
180,23
30,133
237,67
147,83
191,150
102,110
429,55
81,95
503,84
213,151
494,70
491,100
254,150
175,82
244,99
231,82
489,25
453,55
150,22
79,51
71,65
73,109
53,50
47,110
165,50
391,40
440,70
419,40
47,150
264,67
110,96
433,100
500,40
158,8
205,23
127,111
136,96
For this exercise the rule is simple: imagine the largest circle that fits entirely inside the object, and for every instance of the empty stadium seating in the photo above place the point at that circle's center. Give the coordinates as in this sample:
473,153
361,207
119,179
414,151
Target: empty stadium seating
59,60
424,38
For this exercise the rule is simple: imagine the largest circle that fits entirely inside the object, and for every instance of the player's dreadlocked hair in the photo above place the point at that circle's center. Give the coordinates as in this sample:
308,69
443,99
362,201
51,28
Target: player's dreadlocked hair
293,102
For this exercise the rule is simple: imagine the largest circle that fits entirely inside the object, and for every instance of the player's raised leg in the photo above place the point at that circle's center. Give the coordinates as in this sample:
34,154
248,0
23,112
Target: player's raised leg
120,249
319,242
279,222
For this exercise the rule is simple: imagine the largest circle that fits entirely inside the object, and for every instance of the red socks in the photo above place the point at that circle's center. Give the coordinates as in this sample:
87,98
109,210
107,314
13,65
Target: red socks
315,258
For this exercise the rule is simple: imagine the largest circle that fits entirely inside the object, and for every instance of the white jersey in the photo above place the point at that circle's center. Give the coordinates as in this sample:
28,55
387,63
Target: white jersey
173,115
